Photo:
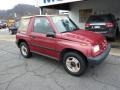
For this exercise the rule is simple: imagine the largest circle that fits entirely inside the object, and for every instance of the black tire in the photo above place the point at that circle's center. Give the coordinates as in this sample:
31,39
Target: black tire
113,39
81,60
12,33
117,32
25,50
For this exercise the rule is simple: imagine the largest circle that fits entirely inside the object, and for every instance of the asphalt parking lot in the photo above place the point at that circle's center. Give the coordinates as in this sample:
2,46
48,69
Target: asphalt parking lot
40,73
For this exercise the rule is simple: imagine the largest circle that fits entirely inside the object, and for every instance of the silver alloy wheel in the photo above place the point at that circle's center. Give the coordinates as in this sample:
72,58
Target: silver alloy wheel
73,64
24,50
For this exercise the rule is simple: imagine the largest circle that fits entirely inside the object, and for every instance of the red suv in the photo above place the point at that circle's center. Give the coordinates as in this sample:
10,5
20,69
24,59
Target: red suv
59,38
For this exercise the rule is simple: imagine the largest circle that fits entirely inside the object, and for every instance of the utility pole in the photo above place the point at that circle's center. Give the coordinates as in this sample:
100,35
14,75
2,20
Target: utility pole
41,11
38,6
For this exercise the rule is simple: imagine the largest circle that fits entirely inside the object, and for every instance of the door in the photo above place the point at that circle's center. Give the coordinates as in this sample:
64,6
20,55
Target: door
40,42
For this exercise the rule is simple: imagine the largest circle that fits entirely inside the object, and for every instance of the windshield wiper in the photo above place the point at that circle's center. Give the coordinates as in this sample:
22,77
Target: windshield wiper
75,29
66,31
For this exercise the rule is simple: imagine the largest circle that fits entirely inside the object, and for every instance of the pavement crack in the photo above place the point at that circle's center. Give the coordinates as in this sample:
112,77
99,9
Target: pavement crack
58,84
94,76
52,71
3,83
26,67
9,68
19,76
113,64
10,82
9,52
6,74
105,83
33,71
41,76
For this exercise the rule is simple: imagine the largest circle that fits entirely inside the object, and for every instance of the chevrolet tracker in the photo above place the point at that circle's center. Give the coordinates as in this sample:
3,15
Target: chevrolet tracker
58,37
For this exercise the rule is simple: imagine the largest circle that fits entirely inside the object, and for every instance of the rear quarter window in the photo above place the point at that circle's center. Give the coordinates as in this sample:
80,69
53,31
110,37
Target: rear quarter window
24,25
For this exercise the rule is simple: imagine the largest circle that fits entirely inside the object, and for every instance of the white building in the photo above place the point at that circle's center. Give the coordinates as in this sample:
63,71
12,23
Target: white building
80,10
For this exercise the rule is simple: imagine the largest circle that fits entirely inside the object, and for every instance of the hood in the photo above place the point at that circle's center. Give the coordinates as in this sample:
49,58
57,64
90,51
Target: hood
83,36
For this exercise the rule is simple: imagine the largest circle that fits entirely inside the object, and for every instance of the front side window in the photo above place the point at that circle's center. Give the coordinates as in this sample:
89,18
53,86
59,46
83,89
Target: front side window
42,25
24,24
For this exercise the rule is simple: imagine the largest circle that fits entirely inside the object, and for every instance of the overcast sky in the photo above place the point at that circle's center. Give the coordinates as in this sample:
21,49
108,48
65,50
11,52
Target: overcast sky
8,4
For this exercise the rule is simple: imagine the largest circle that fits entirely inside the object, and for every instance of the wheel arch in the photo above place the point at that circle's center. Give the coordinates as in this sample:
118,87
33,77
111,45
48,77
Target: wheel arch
72,50
21,40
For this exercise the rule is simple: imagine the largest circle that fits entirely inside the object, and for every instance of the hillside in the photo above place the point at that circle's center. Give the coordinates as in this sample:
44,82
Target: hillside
18,11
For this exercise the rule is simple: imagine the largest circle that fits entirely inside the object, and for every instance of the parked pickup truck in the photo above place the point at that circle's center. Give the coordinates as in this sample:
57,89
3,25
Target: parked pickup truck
58,37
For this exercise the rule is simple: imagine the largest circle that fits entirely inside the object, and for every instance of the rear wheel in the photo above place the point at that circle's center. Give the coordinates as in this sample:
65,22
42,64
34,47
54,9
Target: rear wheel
25,50
12,32
113,38
74,63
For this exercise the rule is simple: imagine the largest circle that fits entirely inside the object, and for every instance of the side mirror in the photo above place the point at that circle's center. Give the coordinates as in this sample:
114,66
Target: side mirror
50,34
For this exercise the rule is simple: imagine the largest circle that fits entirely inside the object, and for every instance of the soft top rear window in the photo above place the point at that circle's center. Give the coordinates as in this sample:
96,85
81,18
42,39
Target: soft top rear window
24,24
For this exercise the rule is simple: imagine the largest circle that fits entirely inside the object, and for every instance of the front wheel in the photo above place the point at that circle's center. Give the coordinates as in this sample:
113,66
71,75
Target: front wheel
74,63
25,50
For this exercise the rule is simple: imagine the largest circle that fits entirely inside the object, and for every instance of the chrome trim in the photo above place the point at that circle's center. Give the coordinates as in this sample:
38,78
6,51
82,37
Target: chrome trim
98,24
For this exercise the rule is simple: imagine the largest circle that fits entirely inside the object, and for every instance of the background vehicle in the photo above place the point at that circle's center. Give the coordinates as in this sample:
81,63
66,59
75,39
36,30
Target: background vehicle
59,38
105,24
13,29
2,24
10,22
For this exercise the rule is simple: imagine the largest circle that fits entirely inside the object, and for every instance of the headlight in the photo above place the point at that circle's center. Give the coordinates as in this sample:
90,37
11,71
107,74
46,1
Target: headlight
96,48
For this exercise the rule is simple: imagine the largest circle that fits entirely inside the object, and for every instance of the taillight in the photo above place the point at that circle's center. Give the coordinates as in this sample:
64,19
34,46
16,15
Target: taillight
109,25
87,25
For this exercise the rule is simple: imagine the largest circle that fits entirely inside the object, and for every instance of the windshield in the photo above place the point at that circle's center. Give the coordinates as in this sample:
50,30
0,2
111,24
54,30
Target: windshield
64,24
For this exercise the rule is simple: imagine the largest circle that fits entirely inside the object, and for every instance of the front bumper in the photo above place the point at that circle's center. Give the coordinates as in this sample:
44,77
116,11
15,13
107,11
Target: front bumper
100,58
